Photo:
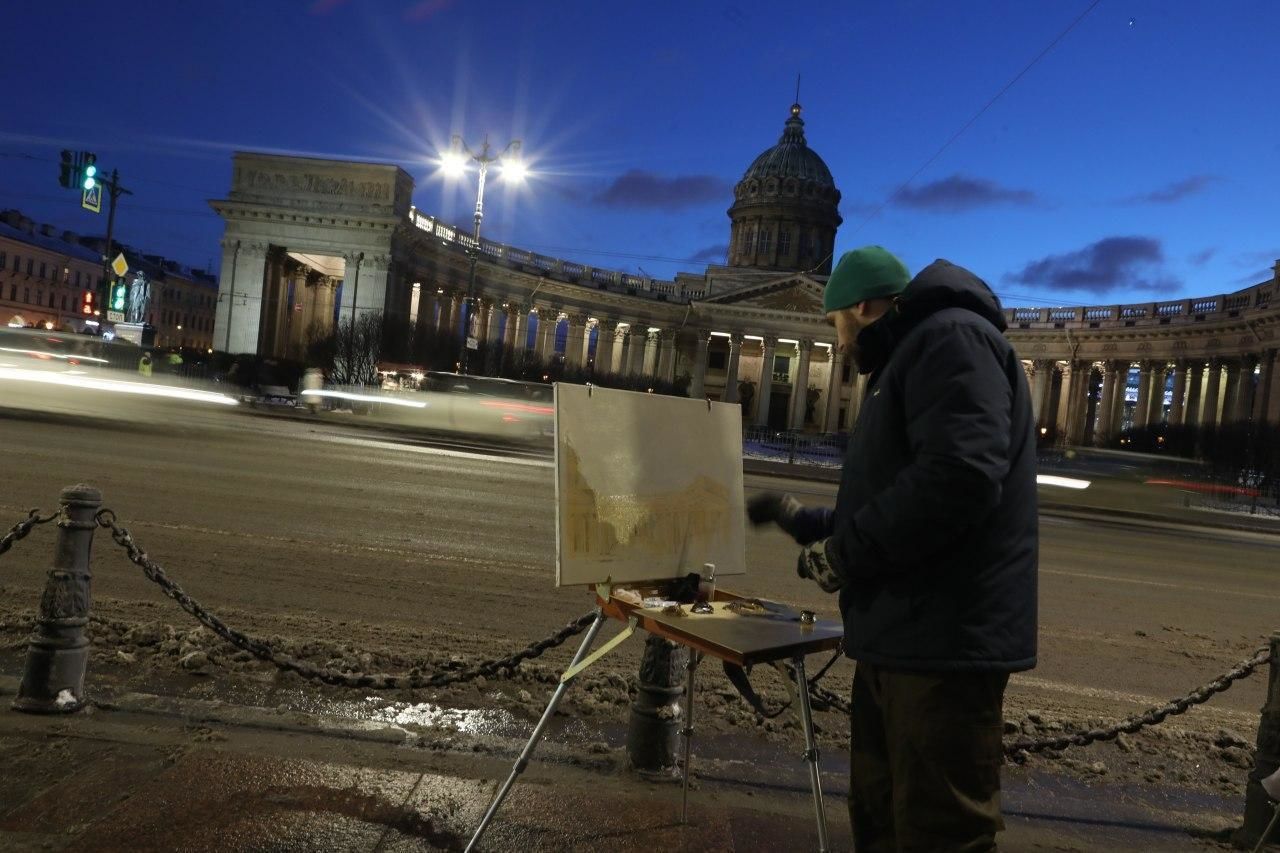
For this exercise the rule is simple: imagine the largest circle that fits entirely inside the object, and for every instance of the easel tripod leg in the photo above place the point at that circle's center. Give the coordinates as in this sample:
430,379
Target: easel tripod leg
687,731
811,753
523,760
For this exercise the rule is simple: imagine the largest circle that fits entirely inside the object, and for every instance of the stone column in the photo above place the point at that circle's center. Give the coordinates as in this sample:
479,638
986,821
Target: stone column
1041,388
452,316
1142,412
1064,402
1271,414
548,319
1231,392
858,390
573,341
1195,389
831,415
239,310
764,394
1210,415
520,338
1159,381
493,325
1107,406
619,366
1078,410
731,372
698,385
1176,406
1243,402
650,368
606,332
508,328
666,355
637,340
800,386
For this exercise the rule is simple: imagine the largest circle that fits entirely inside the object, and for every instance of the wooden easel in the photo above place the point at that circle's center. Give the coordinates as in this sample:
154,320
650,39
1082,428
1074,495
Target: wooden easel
777,634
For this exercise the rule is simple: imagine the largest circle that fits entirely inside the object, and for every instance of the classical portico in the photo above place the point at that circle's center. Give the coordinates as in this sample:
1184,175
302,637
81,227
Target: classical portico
309,242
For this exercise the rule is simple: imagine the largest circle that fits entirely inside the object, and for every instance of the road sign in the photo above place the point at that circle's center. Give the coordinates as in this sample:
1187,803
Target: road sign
120,266
91,199
115,316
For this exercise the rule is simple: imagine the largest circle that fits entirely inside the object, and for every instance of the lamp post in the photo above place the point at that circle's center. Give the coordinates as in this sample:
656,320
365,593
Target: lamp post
454,164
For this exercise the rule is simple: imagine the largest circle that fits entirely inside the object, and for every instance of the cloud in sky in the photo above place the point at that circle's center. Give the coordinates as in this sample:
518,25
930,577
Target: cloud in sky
959,193
1174,192
711,254
1201,258
637,188
1130,263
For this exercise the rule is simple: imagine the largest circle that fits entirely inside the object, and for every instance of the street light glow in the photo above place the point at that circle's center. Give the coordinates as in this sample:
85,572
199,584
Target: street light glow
453,164
514,170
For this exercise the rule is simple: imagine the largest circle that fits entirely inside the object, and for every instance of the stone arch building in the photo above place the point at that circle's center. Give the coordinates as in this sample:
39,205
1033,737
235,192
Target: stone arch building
311,241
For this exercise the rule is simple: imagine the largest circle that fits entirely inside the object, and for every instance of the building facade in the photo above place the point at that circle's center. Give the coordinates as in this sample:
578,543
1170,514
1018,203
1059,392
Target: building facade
311,242
45,275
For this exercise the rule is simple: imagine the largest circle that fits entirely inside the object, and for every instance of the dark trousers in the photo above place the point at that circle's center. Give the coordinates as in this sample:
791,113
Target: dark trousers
925,760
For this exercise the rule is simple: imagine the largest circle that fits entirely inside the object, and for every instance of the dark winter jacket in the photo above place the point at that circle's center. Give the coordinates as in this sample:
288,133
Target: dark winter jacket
936,523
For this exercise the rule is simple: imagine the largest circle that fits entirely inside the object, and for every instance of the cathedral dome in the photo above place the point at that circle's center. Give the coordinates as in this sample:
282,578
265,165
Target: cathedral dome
791,157
786,208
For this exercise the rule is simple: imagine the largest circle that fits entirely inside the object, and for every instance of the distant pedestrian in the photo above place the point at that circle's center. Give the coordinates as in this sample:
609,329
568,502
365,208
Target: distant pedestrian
933,547
144,365
312,380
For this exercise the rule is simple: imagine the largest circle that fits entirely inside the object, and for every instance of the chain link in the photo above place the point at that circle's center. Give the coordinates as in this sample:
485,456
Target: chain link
1157,715
22,528
106,519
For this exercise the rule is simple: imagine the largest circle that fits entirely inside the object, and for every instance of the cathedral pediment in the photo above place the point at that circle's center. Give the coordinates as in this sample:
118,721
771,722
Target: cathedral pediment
793,294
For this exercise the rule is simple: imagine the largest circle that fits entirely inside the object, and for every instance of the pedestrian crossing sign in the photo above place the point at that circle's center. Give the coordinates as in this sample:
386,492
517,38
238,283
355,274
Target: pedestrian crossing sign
91,199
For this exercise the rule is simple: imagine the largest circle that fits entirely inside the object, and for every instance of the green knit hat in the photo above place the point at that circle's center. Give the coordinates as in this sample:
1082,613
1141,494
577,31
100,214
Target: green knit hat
863,274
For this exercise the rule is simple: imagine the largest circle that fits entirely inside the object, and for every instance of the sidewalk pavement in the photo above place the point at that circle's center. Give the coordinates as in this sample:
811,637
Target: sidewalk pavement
162,774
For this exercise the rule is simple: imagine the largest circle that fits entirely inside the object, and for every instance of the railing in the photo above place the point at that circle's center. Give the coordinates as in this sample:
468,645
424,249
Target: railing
560,269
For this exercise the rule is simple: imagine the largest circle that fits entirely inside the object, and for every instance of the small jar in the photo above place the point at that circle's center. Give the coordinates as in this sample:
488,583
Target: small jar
707,582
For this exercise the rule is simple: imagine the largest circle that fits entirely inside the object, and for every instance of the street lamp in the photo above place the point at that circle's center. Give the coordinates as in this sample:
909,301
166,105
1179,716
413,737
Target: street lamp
453,163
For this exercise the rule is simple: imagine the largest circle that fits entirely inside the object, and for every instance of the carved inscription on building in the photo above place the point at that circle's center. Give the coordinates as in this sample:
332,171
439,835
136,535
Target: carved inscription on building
293,182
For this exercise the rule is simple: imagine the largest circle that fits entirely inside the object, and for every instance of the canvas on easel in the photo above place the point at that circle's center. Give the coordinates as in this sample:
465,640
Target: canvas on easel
648,487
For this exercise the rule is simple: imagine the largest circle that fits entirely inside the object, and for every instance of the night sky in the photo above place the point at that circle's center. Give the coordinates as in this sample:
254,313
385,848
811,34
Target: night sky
1135,160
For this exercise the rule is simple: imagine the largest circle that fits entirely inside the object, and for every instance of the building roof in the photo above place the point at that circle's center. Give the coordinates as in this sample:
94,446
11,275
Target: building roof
52,244
791,157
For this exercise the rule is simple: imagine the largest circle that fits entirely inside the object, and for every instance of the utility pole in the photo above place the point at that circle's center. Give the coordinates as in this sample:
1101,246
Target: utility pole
114,188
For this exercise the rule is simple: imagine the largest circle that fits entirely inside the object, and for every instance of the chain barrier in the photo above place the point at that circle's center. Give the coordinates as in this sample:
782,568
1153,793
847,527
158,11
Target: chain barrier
1132,725
106,519
24,527
822,697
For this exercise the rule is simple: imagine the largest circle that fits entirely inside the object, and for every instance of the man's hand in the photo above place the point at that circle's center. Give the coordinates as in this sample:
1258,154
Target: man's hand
817,565
786,511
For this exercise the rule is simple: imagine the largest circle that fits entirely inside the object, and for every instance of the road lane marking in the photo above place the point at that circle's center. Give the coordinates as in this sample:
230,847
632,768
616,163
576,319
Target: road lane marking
434,451
1164,584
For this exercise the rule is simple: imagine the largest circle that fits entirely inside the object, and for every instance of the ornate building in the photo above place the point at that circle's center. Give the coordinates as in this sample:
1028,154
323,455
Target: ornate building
310,241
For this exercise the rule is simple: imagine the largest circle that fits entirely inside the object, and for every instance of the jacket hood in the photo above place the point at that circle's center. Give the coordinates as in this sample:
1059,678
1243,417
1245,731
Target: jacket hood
939,286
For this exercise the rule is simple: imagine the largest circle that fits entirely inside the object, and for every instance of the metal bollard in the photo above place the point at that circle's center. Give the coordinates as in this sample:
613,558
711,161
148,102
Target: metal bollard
1258,808
655,713
53,680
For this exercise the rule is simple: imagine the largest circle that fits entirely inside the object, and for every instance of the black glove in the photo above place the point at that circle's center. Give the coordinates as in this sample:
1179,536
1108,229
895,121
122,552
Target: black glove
817,565
777,507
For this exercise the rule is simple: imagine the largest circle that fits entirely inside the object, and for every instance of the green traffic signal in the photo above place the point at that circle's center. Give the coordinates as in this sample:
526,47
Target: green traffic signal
117,297
90,170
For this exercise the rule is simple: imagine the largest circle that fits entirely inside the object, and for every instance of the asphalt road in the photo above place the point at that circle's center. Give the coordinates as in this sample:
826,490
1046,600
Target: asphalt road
296,527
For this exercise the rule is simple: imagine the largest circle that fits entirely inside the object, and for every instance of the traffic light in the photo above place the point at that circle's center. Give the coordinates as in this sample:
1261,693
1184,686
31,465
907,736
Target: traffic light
90,169
67,170
86,306
118,296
